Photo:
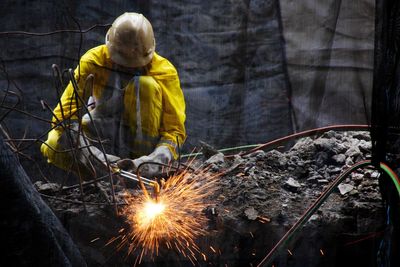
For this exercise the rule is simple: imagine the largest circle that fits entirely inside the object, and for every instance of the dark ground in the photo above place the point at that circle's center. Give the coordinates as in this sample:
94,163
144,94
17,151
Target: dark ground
261,196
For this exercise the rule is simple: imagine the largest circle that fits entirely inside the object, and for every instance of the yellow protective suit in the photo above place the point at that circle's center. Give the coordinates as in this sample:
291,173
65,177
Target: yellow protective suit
134,112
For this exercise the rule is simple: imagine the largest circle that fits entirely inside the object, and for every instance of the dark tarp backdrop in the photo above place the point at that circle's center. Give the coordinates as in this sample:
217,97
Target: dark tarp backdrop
330,56
251,70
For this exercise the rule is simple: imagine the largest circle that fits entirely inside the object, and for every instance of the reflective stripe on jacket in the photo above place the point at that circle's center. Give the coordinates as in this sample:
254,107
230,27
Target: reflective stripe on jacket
121,98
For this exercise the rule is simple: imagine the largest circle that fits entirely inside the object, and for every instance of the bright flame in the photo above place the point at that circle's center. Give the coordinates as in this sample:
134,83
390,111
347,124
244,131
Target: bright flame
174,221
150,212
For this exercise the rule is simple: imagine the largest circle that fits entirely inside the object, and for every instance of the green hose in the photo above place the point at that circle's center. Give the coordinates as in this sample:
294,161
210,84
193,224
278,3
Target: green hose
222,150
392,175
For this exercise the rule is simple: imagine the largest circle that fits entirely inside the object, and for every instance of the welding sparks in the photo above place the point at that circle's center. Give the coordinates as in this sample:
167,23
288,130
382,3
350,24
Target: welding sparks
322,252
94,240
174,221
150,212
213,249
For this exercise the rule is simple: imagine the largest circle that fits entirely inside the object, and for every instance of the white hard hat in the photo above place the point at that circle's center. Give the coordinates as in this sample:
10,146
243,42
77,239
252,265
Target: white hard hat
130,40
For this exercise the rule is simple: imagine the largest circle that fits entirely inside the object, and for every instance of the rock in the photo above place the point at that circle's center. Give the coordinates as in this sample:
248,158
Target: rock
275,158
371,174
330,134
349,161
364,146
329,145
357,177
300,172
249,169
345,188
207,150
47,188
353,152
369,182
251,213
314,178
362,136
282,161
216,159
321,158
354,192
323,181
334,171
238,160
323,143
258,193
302,144
292,185
314,217
339,159
214,167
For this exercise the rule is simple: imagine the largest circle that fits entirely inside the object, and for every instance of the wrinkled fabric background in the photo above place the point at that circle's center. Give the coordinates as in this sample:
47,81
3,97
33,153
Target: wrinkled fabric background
251,71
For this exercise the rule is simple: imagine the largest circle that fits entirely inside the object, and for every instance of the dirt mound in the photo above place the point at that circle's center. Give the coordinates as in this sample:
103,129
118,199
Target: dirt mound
259,196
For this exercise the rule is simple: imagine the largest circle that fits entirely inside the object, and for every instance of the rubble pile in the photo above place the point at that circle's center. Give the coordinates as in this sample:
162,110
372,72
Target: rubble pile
280,186
260,195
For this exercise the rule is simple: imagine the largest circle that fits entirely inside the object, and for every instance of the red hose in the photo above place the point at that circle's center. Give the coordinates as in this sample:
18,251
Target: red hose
278,141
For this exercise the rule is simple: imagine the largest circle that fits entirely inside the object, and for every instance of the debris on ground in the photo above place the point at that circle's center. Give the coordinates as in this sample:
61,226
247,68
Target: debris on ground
270,188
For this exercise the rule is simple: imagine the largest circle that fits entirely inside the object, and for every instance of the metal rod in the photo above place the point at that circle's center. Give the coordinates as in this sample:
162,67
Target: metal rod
134,177
136,180
76,90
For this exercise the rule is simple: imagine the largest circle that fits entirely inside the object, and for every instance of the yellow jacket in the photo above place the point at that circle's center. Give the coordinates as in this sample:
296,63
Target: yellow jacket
161,103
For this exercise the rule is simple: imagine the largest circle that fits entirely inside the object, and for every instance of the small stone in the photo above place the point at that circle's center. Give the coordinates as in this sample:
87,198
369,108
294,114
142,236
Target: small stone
353,152
324,144
282,161
345,188
251,213
314,178
314,217
364,146
302,144
329,134
323,181
208,150
334,170
357,177
47,188
258,154
292,185
354,192
349,161
215,159
362,136
321,158
339,159
375,175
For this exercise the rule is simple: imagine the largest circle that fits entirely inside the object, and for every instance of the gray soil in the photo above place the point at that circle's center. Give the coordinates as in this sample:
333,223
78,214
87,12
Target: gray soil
260,196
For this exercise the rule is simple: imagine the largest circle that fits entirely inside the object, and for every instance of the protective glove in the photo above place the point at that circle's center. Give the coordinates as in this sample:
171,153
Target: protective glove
90,158
161,154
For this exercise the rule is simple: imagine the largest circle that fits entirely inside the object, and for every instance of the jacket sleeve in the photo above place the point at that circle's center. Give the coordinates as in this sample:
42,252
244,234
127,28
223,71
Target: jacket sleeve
172,129
68,106
66,109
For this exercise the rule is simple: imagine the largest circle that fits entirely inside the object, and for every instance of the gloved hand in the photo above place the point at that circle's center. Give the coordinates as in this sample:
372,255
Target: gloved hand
91,160
161,154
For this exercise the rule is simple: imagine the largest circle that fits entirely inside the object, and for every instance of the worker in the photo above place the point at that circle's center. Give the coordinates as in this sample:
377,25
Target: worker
136,108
